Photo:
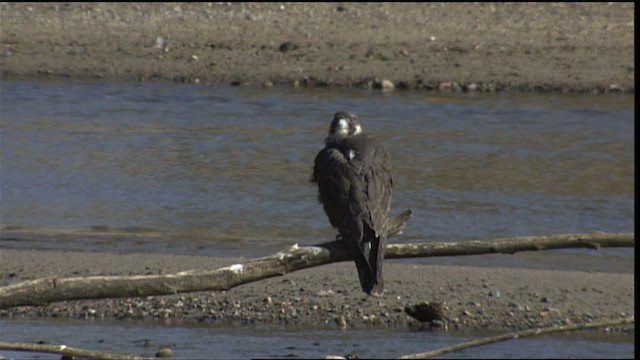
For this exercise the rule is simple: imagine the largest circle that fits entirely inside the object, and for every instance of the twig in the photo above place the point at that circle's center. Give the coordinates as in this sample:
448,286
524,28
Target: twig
517,335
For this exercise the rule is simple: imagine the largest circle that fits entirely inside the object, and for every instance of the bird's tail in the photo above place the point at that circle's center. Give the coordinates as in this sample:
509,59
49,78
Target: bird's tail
376,257
369,264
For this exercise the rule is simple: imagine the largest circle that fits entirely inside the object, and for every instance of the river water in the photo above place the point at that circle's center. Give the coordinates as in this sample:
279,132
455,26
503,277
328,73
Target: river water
224,171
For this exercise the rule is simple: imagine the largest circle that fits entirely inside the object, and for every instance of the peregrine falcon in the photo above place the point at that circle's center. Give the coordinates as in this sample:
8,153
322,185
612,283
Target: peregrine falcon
353,173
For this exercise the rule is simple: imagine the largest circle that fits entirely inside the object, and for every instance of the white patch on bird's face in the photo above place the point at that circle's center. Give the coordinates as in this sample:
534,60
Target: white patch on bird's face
351,154
342,129
358,130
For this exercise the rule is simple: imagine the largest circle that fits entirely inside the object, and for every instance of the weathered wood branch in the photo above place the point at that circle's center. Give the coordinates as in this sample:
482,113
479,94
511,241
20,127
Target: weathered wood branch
49,290
517,335
511,245
69,352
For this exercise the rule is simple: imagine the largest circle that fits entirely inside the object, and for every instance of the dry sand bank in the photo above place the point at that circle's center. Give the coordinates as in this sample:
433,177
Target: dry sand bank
575,47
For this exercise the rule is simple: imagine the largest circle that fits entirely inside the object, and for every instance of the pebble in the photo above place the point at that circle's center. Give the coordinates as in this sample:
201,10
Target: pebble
159,42
325,293
384,84
287,46
553,311
425,311
443,86
164,353
471,87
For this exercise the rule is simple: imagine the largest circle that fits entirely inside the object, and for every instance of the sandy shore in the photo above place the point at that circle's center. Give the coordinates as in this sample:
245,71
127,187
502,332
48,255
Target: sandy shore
474,297
574,47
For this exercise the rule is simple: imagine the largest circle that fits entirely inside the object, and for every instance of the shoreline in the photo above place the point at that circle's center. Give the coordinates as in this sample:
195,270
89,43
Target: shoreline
474,297
563,47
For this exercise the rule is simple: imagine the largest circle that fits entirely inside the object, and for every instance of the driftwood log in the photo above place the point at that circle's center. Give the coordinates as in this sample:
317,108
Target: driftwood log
68,352
48,290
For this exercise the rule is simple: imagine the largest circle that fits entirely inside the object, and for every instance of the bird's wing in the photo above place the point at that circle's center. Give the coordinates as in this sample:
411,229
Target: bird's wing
375,173
373,197
332,173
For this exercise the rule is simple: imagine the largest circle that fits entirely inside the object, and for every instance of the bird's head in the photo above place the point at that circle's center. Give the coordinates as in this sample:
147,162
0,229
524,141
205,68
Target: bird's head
345,124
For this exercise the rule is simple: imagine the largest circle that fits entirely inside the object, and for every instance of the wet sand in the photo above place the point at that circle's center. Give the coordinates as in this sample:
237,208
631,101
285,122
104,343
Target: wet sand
473,296
568,47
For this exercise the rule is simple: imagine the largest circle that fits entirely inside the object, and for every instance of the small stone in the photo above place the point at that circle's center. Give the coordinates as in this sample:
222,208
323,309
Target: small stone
425,311
432,38
324,293
552,311
194,57
443,86
384,84
342,322
387,85
615,88
164,353
287,46
494,293
471,87
516,307
267,84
